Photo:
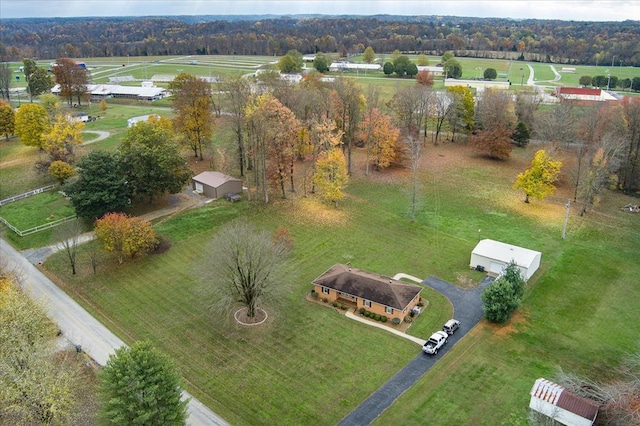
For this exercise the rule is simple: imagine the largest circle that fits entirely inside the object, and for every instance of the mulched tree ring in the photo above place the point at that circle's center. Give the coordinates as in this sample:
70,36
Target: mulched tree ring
241,317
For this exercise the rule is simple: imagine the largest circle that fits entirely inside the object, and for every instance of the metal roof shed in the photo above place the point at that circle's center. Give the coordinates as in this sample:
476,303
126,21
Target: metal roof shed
216,184
494,256
561,405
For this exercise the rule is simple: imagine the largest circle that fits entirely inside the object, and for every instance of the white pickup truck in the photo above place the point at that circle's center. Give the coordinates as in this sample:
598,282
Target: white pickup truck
435,342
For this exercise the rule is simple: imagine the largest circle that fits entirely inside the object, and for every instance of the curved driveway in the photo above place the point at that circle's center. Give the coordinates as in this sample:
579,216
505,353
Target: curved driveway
467,308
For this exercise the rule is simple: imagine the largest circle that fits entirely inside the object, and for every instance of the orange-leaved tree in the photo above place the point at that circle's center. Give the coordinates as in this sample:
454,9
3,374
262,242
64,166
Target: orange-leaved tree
381,137
125,235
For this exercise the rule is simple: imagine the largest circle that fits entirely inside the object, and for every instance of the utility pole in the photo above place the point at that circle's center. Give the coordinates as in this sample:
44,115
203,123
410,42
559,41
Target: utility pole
566,219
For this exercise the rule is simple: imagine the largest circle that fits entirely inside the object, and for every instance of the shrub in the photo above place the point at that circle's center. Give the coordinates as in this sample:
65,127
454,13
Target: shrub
343,307
362,311
325,300
377,317
335,304
396,321
408,319
420,304
411,314
367,314
383,318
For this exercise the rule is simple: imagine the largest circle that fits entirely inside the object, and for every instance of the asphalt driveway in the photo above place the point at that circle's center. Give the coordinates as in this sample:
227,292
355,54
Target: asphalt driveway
467,308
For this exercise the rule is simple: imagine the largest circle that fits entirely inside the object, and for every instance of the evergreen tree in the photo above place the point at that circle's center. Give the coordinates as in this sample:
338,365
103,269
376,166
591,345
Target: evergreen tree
521,135
141,386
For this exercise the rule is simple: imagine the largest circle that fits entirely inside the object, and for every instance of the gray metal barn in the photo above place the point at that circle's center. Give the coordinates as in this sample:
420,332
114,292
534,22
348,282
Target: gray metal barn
216,184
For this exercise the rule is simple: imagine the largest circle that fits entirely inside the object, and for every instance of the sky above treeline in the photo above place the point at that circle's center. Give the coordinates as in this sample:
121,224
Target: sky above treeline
567,10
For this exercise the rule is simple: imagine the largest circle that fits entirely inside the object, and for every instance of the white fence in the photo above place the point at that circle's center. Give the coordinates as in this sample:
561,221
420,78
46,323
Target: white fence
35,228
26,194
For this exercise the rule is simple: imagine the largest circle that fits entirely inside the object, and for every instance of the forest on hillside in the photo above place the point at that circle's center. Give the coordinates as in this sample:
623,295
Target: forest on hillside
557,41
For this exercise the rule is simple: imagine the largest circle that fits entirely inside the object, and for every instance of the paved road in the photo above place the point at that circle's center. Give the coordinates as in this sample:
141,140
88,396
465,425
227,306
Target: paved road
467,308
79,327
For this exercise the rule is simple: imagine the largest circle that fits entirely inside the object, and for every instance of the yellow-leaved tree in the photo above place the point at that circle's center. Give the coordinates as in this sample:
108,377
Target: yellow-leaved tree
125,235
331,175
539,180
61,171
32,122
59,142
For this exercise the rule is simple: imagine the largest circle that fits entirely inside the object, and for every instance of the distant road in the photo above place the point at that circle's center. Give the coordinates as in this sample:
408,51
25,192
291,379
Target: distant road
80,328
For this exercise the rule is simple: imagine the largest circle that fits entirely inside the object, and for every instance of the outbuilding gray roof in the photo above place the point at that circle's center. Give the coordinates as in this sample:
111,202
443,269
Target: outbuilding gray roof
213,179
366,285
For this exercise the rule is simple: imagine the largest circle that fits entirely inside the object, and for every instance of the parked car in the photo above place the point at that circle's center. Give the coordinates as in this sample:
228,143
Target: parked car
451,326
232,196
435,342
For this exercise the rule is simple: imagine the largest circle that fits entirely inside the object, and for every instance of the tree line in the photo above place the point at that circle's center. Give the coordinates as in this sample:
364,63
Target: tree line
530,39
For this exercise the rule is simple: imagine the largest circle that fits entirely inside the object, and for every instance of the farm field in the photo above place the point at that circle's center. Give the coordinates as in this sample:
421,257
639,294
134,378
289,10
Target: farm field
326,364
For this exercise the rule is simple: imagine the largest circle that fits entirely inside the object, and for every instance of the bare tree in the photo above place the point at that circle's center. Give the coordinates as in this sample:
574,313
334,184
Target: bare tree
557,125
68,235
413,146
239,91
5,81
245,265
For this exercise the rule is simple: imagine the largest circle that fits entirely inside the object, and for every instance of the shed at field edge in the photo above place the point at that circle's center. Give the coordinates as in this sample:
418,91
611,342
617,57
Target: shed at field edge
216,184
494,256
561,405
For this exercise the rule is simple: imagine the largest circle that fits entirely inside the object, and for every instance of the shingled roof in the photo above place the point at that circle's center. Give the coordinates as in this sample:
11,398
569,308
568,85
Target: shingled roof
366,285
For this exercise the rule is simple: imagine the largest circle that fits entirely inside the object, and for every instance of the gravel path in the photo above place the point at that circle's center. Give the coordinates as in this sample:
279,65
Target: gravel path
467,308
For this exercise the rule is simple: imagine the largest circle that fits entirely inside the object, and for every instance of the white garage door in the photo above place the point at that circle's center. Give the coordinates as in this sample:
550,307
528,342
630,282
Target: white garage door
497,267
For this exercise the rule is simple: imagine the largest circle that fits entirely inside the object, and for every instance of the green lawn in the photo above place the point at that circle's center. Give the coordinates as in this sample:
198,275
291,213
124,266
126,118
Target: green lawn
310,365
37,210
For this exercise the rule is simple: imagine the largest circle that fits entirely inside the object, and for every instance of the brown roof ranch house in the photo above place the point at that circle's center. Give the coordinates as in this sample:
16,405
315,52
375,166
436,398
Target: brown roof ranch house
376,293
216,184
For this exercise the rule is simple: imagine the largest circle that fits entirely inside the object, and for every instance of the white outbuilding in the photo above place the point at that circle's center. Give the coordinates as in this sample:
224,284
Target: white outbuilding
494,256
564,407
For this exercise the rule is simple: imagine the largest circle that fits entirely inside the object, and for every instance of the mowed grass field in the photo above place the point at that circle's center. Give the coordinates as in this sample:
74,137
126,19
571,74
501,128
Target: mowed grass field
311,365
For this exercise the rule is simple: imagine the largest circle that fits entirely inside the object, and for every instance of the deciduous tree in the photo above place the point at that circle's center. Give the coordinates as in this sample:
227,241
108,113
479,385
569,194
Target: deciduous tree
64,135
490,74
452,68
6,76
51,103
381,137
495,144
7,119
141,386
151,160
72,79
35,388
321,63
291,62
193,108
100,188
39,82
125,235
68,234
369,55
331,175
425,78
461,112
350,107
32,123
538,181
243,265
61,171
